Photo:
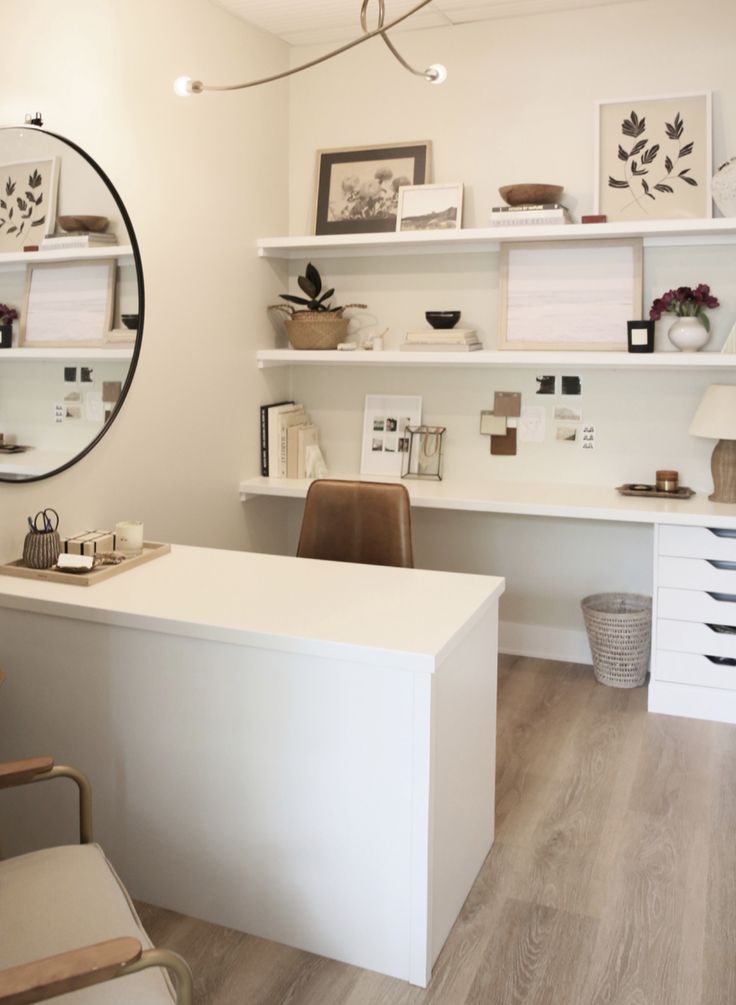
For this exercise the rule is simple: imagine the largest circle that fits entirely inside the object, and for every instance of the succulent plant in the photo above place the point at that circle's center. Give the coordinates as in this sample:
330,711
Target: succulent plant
311,284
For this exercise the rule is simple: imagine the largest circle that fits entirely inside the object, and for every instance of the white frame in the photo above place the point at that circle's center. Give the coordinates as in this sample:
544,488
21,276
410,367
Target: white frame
83,323
407,190
707,95
549,315
51,199
381,406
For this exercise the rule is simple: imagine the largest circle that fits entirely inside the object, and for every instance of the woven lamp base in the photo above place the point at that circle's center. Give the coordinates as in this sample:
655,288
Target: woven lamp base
723,469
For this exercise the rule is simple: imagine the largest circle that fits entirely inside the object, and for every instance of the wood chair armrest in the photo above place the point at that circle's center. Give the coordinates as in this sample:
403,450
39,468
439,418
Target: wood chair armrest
71,971
21,772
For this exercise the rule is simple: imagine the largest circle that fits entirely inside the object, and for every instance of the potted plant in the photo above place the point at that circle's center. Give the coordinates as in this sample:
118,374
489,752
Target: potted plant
691,331
318,325
7,316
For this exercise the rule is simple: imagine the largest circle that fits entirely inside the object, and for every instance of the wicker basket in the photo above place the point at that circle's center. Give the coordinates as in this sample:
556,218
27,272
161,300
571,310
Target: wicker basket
619,627
315,329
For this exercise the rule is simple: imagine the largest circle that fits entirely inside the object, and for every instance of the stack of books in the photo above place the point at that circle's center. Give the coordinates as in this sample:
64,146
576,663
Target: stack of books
286,432
442,340
535,215
78,239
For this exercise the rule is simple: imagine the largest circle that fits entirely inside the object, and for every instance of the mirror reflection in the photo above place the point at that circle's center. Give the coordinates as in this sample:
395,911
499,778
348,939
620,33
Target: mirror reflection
71,303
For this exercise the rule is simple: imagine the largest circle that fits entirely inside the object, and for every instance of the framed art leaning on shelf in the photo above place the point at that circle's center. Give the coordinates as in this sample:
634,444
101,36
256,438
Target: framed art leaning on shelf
385,437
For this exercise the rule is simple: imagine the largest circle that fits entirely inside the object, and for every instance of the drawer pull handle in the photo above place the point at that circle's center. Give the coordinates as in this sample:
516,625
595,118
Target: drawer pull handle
728,598
723,629
722,661
717,564
722,532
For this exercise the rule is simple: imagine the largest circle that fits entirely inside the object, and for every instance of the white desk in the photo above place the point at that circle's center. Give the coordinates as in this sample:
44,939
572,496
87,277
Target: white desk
301,750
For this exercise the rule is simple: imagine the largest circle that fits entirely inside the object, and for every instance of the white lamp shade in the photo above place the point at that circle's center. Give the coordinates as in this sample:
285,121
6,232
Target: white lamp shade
716,414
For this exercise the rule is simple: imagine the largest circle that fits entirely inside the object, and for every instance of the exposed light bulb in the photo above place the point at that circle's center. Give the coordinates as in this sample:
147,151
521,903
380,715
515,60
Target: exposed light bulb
184,86
436,73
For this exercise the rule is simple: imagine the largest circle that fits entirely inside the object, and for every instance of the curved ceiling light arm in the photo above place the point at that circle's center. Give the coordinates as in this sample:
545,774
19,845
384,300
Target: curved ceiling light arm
382,30
185,85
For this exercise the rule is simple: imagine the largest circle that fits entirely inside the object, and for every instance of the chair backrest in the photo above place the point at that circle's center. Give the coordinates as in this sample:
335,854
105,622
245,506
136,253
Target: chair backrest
347,521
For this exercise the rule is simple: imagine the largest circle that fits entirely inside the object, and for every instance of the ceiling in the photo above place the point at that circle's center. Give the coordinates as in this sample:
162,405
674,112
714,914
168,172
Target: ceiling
304,22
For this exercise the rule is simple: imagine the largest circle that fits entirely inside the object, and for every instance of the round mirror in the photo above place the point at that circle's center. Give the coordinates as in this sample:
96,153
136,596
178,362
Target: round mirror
71,303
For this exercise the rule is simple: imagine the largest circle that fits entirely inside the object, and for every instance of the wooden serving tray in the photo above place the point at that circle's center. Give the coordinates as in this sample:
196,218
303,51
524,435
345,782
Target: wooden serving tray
151,550
651,493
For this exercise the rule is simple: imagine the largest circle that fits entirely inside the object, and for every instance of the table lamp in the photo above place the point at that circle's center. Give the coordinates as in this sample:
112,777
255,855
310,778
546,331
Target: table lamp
716,419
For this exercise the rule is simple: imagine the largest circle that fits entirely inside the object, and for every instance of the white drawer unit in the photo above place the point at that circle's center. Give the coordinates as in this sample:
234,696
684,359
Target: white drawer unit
694,631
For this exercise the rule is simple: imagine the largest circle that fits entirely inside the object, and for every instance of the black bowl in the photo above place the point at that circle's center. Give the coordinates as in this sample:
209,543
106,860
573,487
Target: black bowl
130,320
442,319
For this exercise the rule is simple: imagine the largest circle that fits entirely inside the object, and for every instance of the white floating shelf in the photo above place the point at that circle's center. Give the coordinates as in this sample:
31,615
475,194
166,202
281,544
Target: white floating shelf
587,502
112,355
488,239
65,254
487,358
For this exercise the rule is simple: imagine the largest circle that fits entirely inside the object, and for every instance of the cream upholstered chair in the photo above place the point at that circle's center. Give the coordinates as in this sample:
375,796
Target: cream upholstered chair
67,922
350,521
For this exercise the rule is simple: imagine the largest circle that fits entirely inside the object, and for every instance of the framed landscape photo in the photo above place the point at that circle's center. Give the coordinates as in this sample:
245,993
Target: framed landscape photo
68,304
358,187
27,202
653,158
560,295
385,436
430,207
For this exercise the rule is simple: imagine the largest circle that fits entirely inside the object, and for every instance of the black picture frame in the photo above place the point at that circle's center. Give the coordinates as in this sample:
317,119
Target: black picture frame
640,336
369,214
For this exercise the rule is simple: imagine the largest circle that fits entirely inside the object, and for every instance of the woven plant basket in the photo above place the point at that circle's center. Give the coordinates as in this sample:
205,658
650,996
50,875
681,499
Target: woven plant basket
619,627
315,329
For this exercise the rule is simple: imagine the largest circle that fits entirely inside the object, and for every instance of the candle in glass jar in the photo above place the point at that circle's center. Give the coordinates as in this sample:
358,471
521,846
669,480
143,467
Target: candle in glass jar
129,537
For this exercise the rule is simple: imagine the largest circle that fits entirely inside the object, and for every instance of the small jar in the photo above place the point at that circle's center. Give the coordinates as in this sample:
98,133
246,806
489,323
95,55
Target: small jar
667,481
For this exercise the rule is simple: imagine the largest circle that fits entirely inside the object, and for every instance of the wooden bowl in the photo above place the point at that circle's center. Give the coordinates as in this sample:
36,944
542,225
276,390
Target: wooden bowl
93,224
530,194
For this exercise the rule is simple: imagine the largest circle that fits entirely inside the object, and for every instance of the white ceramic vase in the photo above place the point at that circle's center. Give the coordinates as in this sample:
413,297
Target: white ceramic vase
688,334
723,188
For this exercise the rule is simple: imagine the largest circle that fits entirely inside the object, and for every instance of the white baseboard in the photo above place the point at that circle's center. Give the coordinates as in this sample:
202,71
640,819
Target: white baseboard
544,642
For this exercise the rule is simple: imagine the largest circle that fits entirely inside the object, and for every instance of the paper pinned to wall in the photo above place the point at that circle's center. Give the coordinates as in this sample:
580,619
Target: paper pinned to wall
93,409
532,424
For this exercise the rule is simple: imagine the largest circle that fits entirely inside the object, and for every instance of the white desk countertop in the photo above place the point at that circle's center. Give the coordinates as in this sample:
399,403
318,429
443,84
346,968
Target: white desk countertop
405,618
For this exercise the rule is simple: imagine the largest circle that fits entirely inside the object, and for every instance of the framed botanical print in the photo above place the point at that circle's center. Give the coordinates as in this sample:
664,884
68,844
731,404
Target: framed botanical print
358,187
27,202
653,158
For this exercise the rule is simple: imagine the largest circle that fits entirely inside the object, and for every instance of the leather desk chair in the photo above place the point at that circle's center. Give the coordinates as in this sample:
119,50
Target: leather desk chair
349,521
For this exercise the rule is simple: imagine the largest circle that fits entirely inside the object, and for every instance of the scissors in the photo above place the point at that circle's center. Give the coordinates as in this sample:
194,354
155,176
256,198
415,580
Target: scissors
50,519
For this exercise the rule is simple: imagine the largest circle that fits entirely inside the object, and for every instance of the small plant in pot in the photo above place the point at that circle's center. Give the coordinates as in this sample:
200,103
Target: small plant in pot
7,317
318,325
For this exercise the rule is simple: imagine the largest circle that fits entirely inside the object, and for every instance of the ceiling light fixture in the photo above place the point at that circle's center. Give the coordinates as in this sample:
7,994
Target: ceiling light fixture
435,74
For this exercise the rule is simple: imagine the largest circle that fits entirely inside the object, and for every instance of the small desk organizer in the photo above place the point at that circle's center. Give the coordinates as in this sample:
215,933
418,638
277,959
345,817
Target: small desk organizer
423,456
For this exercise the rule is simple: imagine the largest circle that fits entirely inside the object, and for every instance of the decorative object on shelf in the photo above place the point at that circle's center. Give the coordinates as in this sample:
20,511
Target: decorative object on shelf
723,187
358,187
654,158
568,294
83,224
442,319
636,489
129,537
691,331
716,419
442,340
42,544
641,336
430,207
594,218
27,201
619,627
130,321
385,421
320,325
435,74
79,239
423,458
667,481
68,304
7,317
530,194
530,215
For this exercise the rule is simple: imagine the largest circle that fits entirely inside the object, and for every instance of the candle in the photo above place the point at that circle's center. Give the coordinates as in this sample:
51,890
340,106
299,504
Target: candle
129,537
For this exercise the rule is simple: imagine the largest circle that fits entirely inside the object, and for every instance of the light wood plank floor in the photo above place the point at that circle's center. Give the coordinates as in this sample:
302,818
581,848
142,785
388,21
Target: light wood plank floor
612,880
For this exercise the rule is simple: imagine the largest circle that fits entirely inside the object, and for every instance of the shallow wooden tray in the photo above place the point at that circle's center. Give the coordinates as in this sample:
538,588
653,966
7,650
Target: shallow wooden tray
682,493
151,550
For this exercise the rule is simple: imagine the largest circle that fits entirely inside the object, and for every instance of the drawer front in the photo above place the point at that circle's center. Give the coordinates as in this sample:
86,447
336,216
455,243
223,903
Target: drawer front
693,637
697,605
689,668
697,542
695,574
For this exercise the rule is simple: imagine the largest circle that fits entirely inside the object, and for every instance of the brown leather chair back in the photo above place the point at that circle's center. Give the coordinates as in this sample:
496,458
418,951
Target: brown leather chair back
367,522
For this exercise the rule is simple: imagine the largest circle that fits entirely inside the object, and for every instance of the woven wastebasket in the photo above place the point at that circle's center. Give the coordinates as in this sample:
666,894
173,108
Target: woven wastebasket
619,627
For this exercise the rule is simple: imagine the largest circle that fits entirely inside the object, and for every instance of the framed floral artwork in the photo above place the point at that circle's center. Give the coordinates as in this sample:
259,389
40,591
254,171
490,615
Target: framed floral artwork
27,202
653,158
358,187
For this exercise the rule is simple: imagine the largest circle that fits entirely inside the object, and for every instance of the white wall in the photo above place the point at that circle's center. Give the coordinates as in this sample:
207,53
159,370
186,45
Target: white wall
201,179
519,106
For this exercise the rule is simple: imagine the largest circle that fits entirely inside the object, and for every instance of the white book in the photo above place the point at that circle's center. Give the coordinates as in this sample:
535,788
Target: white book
79,241
274,435
297,417
440,347
548,216
443,335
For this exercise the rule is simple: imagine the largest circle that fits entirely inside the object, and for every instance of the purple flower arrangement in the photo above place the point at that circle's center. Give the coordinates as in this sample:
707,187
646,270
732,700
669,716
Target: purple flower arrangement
7,314
685,303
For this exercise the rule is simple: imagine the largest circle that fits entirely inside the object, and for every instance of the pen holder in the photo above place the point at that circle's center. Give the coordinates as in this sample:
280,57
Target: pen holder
41,549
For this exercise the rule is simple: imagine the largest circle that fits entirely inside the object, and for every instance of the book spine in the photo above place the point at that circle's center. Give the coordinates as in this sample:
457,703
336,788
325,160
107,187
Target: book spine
264,441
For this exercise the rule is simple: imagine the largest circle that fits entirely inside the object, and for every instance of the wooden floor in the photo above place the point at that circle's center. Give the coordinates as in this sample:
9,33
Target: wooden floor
612,880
